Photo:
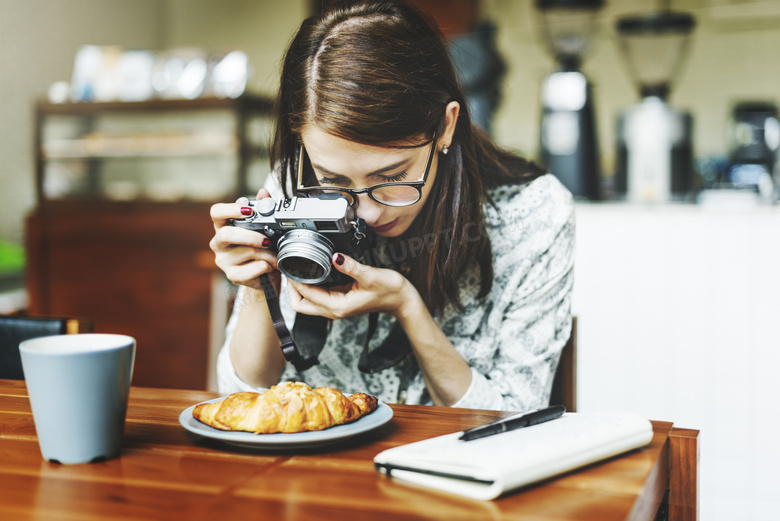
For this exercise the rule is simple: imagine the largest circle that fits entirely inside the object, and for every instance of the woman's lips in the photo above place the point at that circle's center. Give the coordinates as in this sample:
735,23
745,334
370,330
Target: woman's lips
385,227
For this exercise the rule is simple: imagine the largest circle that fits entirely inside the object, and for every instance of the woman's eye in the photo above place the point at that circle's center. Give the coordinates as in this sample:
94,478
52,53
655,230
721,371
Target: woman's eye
332,181
394,179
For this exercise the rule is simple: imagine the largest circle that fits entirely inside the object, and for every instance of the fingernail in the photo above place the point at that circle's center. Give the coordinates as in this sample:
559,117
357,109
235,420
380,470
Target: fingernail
339,259
266,242
245,210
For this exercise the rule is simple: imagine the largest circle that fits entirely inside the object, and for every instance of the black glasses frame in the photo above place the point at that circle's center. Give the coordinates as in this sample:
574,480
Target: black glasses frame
417,185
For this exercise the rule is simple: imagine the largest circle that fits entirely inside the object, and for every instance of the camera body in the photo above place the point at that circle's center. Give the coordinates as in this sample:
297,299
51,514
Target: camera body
305,232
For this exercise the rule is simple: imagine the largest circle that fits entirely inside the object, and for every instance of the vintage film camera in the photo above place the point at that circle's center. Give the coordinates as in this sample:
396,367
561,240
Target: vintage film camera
306,232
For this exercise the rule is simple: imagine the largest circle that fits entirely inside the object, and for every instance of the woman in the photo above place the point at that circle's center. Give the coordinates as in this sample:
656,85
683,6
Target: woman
476,263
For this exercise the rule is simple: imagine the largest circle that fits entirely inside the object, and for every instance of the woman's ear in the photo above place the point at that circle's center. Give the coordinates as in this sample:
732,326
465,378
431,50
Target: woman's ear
451,120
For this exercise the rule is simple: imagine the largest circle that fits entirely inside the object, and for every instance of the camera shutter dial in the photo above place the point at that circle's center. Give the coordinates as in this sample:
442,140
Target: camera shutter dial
265,206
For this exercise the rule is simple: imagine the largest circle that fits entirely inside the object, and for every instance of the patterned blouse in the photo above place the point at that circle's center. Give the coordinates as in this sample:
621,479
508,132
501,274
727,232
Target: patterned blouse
512,338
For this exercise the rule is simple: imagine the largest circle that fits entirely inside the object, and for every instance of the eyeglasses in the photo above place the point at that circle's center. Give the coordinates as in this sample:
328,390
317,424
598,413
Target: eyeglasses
391,194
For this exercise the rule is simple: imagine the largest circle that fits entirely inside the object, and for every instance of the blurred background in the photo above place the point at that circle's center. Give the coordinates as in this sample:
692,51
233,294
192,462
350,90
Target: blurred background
122,122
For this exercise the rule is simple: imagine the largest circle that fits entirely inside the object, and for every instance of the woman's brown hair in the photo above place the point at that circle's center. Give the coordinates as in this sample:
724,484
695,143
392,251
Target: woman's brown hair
379,73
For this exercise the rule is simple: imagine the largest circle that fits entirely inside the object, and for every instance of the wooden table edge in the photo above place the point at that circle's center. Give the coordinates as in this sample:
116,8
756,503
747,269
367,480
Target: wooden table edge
683,474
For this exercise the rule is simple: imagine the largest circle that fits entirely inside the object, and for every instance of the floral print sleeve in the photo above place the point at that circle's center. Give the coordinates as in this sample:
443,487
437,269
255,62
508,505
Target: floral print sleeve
526,320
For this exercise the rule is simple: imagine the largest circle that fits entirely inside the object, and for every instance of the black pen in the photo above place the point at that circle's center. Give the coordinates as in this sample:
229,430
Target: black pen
514,422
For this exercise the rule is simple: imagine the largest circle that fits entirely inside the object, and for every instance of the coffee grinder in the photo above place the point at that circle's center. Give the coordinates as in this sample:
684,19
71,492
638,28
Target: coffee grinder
754,141
654,151
568,144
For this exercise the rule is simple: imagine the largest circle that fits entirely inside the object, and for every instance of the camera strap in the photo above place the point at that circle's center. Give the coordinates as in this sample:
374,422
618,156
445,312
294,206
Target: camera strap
303,346
292,353
391,351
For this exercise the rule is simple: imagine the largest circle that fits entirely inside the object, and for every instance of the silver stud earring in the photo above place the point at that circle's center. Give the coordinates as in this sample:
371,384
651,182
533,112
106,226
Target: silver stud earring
445,149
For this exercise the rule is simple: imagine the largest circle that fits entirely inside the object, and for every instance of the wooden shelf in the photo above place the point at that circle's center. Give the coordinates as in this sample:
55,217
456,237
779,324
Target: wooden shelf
99,146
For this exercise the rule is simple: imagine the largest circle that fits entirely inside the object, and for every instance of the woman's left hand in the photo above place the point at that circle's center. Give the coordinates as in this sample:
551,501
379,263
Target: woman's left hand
373,289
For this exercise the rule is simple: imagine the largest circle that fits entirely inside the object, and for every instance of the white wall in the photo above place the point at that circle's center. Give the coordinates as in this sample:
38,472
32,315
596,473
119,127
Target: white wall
677,311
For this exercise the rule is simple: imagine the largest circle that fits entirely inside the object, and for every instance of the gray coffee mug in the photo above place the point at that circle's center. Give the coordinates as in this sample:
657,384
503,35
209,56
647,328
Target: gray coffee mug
78,387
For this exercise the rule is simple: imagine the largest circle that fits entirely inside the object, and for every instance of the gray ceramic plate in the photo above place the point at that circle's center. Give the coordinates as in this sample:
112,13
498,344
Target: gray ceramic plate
379,417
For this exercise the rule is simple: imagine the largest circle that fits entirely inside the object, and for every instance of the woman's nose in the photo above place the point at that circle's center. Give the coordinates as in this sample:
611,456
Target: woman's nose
368,209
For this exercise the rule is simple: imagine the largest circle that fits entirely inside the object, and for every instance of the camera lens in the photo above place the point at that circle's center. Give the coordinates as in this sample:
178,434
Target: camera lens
304,256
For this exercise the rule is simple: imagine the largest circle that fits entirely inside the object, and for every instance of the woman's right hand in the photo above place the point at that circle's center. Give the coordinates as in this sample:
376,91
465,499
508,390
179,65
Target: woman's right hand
242,254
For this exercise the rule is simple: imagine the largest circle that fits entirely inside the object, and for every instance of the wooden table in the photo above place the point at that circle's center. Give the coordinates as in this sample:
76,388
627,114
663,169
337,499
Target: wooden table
167,473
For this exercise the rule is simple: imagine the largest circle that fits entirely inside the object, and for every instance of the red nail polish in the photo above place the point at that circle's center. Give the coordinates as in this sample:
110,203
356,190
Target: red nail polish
266,242
339,259
245,210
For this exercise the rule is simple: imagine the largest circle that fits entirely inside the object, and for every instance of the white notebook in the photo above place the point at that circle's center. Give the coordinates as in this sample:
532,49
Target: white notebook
487,467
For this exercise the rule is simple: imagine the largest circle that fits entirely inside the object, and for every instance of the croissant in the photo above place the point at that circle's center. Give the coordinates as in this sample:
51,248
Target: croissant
287,407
